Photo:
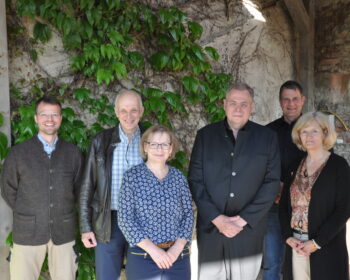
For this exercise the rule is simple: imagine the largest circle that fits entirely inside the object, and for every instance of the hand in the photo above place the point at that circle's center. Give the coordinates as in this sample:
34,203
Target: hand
88,239
227,226
278,197
309,247
160,257
296,245
237,220
175,250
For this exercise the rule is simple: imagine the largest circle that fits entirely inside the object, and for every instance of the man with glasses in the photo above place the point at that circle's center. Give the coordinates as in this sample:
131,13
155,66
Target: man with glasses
40,182
291,100
111,153
234,177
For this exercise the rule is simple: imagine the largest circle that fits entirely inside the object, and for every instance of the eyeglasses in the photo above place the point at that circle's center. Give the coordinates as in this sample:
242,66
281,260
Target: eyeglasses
304,133
47,116
155,146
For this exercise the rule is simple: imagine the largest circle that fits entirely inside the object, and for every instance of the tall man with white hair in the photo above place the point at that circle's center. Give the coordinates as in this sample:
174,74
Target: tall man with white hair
111,153
234,177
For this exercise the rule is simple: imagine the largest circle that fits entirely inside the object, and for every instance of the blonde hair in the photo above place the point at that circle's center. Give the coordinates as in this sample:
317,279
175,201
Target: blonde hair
323,121
159,129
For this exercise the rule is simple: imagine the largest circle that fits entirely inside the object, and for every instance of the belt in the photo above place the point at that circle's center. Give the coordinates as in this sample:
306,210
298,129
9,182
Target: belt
299,231
165,245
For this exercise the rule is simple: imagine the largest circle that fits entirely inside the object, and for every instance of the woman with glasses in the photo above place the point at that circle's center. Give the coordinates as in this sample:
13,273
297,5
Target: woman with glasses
155,212
315,205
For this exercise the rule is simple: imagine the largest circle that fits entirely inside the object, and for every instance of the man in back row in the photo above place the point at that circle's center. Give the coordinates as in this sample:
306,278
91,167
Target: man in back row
291,100
111,153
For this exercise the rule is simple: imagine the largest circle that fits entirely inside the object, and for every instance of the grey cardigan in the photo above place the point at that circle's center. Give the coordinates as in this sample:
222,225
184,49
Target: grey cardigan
42,191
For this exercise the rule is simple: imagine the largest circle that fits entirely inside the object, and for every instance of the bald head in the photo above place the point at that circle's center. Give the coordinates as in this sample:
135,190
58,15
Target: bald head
129,110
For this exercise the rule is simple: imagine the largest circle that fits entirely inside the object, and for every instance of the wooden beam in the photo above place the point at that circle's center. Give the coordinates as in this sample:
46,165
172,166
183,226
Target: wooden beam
300,17
5,211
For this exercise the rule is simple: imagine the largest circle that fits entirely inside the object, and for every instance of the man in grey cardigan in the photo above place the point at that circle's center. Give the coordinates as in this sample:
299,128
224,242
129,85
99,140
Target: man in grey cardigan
40,183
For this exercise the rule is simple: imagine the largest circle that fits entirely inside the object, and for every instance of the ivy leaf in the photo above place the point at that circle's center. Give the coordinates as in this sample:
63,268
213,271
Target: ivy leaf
104,75
86,4
159,60
157,104
120,70
78,62
115,37
42,32
153,92
1,119
81,94
175,33
212,53
195,29
68,114
72,41
197,50
33,55
3,145
26,8
191,84
9,240
136,59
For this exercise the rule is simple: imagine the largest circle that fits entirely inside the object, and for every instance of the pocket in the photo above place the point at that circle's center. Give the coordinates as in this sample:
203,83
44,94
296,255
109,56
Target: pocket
23,225
69,224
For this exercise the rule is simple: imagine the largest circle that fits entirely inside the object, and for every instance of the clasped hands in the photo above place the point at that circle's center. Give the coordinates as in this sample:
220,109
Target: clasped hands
229,226
304,248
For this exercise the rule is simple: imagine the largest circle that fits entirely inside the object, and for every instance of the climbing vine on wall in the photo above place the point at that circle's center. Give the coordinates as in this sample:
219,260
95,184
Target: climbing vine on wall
111,40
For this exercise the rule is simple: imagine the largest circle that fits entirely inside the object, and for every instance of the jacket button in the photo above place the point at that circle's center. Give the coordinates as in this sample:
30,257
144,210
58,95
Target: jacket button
51,205
51,188
51,221
234,173
232,194
232,154
50,171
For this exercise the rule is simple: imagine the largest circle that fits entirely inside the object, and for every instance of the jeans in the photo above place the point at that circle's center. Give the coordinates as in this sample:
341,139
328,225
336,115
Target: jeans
273,248
140,266
109,256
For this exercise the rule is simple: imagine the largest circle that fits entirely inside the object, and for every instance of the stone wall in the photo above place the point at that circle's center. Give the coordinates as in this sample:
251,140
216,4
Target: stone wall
332,66
254,43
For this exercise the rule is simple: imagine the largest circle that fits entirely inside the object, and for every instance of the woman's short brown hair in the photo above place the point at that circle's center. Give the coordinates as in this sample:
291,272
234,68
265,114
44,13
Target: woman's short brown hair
159,129
323,121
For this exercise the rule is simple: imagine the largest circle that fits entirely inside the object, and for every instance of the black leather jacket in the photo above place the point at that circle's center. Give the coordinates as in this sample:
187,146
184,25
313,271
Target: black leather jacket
95,193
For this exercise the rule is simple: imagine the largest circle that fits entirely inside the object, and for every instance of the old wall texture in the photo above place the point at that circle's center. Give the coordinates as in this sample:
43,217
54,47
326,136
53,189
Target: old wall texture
254,43
332,65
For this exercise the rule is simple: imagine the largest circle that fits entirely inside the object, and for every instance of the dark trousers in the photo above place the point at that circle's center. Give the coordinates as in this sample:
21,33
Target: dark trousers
140,266
109,256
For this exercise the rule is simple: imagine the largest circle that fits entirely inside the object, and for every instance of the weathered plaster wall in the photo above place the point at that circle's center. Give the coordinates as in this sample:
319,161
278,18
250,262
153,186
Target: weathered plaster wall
254,46
332,65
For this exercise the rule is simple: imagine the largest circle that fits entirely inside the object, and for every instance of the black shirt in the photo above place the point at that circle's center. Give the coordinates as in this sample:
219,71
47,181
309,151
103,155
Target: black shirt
289,152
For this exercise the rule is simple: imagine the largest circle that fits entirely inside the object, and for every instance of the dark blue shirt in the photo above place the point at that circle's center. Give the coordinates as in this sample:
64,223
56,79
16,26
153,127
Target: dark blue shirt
160,210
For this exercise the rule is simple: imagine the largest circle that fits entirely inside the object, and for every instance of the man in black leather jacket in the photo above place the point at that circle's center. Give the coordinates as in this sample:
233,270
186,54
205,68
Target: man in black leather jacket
111,153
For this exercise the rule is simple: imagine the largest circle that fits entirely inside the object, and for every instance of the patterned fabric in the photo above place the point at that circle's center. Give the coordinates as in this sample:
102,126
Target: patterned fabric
125,155
300,195
48,148
160,210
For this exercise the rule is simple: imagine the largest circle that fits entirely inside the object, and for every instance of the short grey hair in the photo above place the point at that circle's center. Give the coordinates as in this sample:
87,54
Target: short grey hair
125,92
241,86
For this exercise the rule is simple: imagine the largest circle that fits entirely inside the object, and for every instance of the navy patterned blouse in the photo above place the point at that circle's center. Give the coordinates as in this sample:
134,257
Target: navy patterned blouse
160,210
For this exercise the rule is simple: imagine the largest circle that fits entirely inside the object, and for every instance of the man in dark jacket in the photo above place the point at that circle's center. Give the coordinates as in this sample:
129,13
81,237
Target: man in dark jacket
291,100
112,152
234,177
40,183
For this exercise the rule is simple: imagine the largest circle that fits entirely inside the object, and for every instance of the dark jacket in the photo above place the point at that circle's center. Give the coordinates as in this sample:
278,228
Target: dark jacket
42,191
240,178
329,209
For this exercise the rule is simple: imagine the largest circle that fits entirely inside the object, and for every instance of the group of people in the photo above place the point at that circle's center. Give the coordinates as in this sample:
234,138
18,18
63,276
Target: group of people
267,197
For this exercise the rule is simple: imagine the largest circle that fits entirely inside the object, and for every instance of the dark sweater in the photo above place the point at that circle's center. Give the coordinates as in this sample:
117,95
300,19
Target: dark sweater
42,191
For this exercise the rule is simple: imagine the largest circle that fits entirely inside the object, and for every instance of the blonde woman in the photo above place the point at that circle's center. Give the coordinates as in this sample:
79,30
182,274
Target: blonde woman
315,205
155,213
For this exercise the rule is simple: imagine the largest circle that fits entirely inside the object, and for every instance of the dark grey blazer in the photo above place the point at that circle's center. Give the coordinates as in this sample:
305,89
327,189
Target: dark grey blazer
42,191
241,179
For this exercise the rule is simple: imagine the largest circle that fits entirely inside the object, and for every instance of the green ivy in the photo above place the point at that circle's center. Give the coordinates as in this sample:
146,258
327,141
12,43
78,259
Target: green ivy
102,38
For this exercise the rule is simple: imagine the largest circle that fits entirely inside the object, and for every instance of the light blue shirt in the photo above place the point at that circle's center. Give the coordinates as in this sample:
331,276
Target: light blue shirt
48,148
125,155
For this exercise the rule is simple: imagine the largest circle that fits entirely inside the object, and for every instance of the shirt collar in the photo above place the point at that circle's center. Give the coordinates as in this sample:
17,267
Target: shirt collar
45,143
229,130
124,137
